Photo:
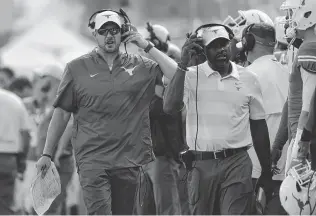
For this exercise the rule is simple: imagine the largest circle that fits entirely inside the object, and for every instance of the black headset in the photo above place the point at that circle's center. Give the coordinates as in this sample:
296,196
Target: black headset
121,13
160,45
230,33
249,39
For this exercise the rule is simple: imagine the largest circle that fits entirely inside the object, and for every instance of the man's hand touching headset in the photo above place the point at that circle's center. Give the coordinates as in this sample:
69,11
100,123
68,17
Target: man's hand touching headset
190,49
133,36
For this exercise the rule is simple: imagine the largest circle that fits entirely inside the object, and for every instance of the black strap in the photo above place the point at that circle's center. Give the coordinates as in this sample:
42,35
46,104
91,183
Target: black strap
46,155
205,155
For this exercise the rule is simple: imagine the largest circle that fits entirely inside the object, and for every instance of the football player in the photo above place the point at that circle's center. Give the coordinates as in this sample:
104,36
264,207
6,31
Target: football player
282,44
160,37
244,19
301,22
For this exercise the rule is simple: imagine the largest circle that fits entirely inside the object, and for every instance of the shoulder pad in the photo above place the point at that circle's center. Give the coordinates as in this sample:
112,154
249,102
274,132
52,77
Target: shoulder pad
306,57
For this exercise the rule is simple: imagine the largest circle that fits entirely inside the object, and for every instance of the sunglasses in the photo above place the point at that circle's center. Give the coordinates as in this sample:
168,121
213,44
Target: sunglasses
112,31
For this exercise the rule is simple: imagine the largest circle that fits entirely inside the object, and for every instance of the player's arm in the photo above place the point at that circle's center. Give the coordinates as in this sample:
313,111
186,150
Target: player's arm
309,128
259,129
64,106
309,84
282,134
308,133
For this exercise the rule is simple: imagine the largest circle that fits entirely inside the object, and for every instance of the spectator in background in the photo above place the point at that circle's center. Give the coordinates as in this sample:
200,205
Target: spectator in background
36,106
63,156
22,87
14,144
6,76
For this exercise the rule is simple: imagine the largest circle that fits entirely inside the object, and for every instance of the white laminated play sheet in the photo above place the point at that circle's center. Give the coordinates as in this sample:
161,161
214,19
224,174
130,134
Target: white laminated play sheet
45,190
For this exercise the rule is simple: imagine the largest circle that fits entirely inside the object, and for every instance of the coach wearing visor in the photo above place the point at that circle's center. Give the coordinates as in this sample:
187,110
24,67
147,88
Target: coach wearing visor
225,116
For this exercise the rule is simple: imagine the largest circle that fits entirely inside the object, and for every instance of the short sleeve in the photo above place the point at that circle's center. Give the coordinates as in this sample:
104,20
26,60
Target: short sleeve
66,95
256,102
309,84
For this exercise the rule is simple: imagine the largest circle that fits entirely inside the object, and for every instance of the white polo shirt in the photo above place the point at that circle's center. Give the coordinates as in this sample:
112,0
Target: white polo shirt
274,82
14,118
225,106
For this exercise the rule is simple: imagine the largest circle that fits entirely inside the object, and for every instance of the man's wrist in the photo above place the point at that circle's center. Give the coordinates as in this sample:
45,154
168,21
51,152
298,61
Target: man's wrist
46,155
182,66
148,47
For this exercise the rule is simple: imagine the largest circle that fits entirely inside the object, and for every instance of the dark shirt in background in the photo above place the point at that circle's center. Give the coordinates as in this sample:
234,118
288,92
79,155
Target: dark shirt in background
166,131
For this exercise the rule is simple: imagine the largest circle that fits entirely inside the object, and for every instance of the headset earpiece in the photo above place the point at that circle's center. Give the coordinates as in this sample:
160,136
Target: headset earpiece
124,27
248,40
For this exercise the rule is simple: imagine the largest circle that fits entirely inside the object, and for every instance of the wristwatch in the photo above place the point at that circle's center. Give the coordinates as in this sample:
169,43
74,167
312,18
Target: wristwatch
46,155
149,47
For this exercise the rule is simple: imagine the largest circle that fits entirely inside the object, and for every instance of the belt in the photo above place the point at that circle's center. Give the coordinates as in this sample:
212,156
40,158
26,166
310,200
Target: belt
206,155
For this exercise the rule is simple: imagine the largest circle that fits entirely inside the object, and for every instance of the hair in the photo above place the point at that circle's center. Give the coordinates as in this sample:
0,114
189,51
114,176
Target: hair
19,84
264,31
8,71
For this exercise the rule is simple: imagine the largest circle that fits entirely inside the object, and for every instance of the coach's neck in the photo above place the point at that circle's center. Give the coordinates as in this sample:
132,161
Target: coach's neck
108,57
259,51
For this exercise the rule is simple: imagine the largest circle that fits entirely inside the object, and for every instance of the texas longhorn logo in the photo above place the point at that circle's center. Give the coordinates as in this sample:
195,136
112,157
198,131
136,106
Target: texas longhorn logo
215,31
107,16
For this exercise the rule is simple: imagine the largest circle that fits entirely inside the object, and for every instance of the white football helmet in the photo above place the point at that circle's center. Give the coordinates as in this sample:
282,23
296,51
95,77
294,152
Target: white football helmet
298,190
246,18
279,23
161,32
301,15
